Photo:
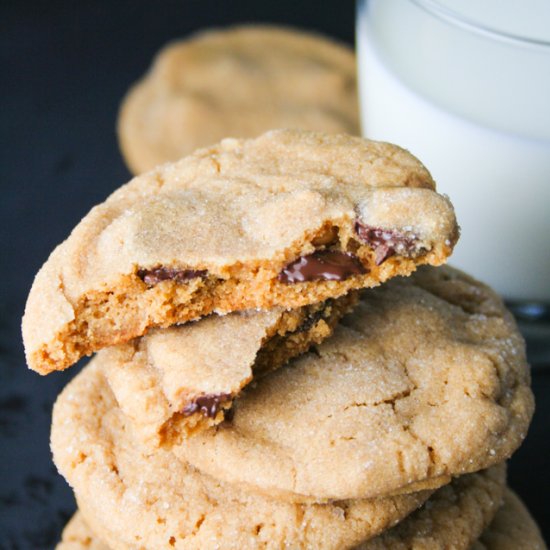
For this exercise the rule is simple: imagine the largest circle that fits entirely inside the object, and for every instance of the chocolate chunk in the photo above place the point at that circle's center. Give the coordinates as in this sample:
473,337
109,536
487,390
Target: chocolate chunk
314,318
387,242
229,414
323,265
208,405
158,274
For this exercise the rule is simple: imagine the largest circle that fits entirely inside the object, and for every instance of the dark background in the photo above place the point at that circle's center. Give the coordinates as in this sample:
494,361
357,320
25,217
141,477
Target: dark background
64,69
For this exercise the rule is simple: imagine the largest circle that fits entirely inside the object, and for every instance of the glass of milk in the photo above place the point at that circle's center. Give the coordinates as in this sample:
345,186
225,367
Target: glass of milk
465,86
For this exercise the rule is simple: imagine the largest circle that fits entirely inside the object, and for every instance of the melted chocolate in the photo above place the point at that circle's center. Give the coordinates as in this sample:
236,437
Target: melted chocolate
387,242
158,274
208,405
324,265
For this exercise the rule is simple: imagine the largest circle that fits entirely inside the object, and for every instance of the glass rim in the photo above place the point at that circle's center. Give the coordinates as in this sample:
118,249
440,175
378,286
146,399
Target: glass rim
433,7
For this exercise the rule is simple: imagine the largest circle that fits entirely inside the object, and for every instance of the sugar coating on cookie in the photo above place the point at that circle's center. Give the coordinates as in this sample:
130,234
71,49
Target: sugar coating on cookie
426,378
137,499
175,382
448,519
288,219
237,82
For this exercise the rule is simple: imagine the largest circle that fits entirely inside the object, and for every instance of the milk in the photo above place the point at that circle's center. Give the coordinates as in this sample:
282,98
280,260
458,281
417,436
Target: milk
475,108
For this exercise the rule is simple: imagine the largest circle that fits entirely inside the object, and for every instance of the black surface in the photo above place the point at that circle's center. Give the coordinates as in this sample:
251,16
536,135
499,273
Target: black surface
65,67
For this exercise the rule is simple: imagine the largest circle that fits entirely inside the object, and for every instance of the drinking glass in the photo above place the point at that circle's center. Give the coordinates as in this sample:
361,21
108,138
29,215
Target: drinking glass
465,86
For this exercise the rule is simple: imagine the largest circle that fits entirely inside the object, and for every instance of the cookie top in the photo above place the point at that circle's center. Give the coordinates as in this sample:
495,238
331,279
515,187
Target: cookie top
175,382
454,516
237,82
512,528
426,378
288,219
132,498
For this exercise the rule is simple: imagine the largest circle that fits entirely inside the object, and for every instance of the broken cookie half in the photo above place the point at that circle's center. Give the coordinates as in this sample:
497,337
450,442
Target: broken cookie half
178,381
287,219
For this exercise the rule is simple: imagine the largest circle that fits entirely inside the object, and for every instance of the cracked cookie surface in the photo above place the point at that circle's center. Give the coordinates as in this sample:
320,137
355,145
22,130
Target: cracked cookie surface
173,383
136,499
237,82
288,219
426,379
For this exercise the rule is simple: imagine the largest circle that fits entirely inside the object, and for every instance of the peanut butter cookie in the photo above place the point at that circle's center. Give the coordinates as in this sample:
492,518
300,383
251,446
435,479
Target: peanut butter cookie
237,82
288,219
175,382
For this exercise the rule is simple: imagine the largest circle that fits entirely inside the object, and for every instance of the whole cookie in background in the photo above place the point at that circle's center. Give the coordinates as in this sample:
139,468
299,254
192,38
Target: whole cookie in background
175,382
137,499
287,219
427,378
237,82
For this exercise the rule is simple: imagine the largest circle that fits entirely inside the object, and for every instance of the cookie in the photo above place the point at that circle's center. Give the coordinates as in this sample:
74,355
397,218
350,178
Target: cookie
288,219
512,528
454,516
237,82
426,379
136,499
440,523
175,382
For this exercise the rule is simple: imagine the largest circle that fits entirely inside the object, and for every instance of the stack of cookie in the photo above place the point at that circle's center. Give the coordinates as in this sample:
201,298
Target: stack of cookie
245,395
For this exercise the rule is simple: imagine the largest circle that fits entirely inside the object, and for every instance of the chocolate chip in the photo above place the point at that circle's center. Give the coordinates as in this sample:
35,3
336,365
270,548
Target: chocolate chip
229,414
158,274
208,405
387,242
323,265
314,318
